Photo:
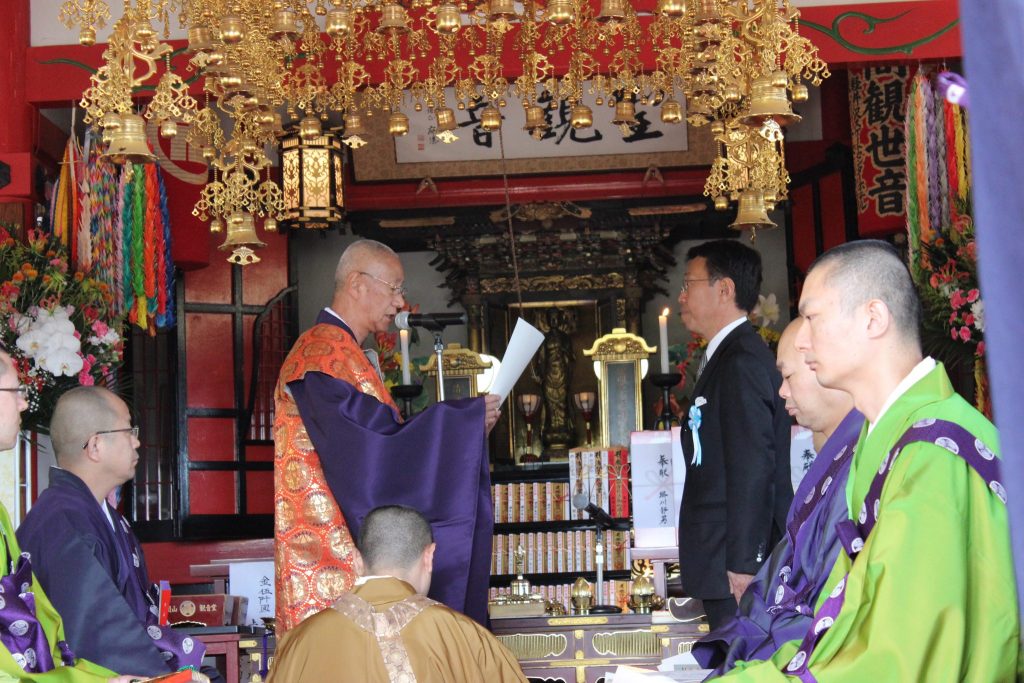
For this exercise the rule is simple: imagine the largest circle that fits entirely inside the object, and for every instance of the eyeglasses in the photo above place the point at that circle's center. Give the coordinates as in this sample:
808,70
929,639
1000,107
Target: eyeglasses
687,283
134,431
21,389
400,290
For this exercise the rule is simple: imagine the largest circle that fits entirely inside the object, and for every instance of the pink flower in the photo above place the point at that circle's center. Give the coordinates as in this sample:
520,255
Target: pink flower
972,296
981,348
952,317
968,319
956,299
952,333
85,376
965,333
100,328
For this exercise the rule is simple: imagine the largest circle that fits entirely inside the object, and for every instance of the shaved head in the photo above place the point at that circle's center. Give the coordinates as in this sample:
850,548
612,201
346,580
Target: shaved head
393,537
872,269
811,405
357,256
80,413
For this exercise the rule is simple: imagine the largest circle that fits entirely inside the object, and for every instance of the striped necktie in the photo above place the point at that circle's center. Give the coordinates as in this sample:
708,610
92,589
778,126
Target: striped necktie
703,363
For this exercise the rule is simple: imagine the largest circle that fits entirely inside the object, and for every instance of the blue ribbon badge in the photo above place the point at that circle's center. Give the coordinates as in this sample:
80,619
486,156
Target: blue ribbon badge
694,424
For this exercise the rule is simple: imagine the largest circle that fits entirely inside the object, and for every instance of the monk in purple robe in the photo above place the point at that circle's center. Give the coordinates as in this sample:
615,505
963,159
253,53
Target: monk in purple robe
341,448
33,648
779,603
83,550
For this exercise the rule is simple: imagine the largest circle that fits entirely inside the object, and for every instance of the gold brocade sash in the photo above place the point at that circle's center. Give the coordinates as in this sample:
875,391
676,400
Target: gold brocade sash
386,627
312,544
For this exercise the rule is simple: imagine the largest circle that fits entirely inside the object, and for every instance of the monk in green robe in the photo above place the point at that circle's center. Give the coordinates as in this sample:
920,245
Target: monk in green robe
386,629
14,665
930,594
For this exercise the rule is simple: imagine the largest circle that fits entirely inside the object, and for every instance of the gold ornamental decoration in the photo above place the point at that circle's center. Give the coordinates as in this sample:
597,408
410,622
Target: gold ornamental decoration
266,66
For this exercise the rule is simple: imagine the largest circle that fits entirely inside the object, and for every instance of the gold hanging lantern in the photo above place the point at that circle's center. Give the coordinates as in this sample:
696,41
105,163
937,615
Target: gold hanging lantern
309,128
283,25
612,11
581,117
128,143
768,100
536,122
490,118
168,128
232,30
199,38
242,239
559,12
671,8
311,175
501,9
671,111
355,132
339,22
752,213
393,20
625,114
398,124
449,19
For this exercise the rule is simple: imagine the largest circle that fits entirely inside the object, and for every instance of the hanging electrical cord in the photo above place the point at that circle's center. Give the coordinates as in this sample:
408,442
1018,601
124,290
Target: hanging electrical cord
508,218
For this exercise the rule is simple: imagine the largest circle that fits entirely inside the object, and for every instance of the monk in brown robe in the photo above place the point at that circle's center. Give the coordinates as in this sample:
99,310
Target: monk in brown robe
386,629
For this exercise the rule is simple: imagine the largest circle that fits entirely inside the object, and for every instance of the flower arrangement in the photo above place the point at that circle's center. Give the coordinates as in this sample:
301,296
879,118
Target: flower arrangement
56,324
947,280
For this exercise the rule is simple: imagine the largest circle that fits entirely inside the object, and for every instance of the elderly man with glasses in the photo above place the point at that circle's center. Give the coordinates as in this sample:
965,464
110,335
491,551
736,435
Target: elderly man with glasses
341,448
83,550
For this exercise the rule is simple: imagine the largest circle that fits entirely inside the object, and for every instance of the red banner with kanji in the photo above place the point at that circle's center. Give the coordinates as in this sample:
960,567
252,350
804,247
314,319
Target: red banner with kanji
878,104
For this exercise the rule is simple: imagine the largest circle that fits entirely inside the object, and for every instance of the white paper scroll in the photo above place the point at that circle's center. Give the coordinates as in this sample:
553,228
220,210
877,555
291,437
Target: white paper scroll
525,341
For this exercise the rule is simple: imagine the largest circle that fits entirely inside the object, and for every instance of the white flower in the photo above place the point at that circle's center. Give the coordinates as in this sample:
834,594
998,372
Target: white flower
62,362
30,342
767,310
978,311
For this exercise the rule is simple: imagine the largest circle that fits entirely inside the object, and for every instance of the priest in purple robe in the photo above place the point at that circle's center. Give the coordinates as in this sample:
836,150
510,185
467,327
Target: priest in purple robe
779,603
342,449
85,554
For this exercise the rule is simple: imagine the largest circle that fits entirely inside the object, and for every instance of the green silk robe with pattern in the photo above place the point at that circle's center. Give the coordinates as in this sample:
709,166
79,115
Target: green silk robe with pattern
83,671
931,597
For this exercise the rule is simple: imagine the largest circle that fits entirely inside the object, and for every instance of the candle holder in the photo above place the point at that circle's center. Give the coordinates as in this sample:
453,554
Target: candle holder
585,402
407,393
529,406
665,381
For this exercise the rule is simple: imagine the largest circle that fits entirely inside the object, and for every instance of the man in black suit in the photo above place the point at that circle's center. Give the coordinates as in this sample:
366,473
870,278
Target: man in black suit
735,436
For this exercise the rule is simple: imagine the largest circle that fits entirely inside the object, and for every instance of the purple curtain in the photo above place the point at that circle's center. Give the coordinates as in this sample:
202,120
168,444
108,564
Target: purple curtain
994,62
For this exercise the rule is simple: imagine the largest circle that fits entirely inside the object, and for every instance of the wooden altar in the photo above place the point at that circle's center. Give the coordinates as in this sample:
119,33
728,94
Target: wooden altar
583,649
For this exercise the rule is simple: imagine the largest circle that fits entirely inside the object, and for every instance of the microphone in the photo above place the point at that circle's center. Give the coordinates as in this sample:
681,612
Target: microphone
582,503
430,321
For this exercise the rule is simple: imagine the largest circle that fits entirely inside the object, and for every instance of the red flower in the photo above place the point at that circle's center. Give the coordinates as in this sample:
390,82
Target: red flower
952,333
981,348
968,319
956,299
965,333
973,295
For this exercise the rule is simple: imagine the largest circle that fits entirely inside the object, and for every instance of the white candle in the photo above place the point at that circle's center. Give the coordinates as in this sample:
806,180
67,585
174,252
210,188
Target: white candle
403,335
663,340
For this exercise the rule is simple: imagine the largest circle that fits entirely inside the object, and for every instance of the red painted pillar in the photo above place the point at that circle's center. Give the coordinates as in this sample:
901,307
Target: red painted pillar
17,116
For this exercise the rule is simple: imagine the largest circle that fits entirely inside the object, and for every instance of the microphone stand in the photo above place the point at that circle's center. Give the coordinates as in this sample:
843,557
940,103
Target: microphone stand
439,352
598,607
